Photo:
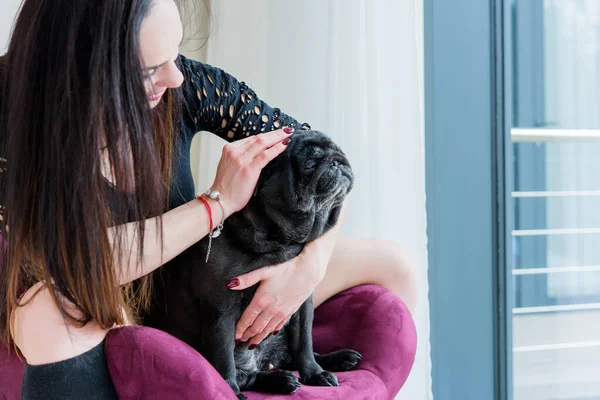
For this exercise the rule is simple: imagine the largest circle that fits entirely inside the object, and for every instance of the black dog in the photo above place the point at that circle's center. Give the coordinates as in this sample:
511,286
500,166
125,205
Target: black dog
298,198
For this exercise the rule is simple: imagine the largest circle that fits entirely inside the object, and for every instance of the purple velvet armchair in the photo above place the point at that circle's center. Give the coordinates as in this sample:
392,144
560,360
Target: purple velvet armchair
145,363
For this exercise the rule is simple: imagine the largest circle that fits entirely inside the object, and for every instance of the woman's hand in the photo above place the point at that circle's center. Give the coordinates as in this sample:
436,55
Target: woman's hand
241,163
283,287
282,291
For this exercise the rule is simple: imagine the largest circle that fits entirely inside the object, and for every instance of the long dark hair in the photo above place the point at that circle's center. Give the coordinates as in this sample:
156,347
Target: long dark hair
74,93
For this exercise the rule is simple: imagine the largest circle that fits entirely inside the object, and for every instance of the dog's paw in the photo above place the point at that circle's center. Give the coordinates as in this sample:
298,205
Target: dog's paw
344,360
324,378
242,396
283,382
339,361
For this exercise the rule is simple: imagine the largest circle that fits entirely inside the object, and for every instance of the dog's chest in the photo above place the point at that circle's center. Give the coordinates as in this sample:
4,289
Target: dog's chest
246,359
271,351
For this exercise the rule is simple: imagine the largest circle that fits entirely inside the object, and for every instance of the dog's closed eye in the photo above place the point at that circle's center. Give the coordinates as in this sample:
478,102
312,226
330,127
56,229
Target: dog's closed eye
310,164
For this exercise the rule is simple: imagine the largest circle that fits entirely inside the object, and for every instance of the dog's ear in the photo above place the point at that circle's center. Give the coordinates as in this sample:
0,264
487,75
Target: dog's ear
262,181
266,176
271,171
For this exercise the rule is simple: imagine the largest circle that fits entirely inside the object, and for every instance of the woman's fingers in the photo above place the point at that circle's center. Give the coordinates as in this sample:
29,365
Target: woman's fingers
269,154
259,324
281,324
272,327
260,143
241,163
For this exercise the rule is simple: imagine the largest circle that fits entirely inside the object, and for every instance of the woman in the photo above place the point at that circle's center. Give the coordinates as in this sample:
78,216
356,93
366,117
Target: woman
96,118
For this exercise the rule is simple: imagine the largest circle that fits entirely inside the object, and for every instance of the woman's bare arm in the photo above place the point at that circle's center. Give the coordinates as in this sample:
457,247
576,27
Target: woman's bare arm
182,227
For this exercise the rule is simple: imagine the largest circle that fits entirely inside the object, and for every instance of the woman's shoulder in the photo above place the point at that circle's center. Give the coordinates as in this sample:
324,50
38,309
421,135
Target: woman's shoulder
189,65
200,75
39,311
191,69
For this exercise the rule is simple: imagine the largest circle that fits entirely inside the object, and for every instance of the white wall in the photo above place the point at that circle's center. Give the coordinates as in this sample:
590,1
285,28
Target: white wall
8,10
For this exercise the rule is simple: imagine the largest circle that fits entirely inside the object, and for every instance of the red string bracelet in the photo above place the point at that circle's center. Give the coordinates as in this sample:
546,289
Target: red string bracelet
209,212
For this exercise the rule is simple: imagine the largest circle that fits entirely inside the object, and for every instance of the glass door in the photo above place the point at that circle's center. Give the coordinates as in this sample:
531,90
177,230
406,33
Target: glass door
556,199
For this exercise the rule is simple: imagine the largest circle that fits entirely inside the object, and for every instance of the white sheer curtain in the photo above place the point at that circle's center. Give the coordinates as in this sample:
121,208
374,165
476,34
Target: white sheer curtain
353,69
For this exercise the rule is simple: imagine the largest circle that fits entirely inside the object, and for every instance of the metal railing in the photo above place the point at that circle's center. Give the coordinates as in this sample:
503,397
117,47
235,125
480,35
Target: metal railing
533,135
520,135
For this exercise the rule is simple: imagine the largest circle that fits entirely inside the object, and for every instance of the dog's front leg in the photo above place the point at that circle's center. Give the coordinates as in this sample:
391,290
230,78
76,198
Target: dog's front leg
299,333
219,346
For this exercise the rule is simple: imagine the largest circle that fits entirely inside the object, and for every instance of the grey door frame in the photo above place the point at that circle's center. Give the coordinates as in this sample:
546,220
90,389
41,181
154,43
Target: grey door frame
467,143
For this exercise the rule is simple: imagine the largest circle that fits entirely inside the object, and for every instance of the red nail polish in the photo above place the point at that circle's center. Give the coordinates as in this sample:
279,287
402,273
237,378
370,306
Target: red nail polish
233,283
237,341
275,333
286,142
252,347
289,131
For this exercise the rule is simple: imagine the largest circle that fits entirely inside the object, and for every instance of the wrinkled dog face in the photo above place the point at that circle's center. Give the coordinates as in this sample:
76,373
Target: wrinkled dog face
302,190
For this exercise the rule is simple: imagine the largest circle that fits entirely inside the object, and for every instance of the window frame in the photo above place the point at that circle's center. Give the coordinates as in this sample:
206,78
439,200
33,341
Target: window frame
467,142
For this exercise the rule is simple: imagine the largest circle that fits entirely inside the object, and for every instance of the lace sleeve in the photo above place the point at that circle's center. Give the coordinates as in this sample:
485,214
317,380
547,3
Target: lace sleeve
215,101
